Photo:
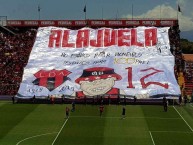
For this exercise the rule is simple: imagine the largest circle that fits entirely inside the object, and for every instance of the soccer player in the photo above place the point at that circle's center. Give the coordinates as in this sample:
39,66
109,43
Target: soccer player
67,112
180,100
52,99
73,106
13,99
123,112
135,100
165,104
33,99
101,108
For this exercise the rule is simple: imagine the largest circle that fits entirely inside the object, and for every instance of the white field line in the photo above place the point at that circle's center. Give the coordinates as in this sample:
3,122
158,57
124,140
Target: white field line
183,119
59,132
34,137
151,137
125,117
172,132
112,117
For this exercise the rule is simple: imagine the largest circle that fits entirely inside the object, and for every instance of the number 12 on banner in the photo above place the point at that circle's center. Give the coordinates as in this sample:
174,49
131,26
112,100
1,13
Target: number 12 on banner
142,79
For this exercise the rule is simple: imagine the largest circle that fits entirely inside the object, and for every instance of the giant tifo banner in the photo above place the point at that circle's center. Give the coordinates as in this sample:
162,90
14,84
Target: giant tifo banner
110,62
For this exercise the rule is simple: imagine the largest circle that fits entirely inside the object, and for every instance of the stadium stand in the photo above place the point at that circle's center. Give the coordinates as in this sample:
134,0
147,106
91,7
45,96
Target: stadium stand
15,47
188,74
14,53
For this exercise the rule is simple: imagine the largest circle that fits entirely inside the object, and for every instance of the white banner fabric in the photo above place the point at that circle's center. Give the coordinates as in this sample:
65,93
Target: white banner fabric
105,61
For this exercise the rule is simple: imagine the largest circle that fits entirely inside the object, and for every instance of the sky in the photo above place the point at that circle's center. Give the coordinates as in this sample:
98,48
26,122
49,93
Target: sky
99,9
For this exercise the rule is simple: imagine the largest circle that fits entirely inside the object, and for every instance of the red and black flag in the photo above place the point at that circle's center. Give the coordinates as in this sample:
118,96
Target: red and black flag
84,9
179,9
39,8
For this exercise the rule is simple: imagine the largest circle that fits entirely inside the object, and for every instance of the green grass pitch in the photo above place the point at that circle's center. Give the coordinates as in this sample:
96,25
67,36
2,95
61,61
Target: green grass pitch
45,124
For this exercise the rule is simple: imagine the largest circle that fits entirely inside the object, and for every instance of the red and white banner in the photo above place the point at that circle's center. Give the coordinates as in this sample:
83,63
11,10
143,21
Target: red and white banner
92,23
90,62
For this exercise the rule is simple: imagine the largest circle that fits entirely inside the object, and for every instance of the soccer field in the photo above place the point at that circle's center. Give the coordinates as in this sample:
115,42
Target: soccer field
45,124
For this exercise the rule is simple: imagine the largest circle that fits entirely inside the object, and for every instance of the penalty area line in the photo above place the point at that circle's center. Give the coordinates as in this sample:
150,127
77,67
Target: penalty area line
191,105
151,137
59,132
183,119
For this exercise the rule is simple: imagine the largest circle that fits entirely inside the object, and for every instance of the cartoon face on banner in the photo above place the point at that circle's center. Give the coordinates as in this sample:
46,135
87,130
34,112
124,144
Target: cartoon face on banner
97,81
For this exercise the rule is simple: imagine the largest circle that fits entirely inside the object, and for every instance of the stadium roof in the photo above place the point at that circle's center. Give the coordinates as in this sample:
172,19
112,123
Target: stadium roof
187,57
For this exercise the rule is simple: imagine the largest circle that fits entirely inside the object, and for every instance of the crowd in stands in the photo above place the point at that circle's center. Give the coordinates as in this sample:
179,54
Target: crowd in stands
188,73
174,36
183,68
188,76
15,50
14,53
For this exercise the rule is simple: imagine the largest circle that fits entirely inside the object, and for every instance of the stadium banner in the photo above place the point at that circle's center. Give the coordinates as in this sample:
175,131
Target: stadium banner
92,23
87,62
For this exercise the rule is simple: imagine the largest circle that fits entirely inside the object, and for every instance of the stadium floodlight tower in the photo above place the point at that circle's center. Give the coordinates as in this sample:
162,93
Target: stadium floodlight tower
3,20
3,24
